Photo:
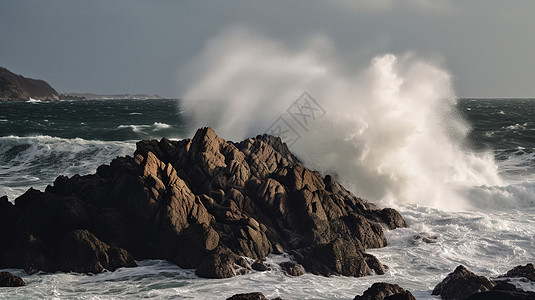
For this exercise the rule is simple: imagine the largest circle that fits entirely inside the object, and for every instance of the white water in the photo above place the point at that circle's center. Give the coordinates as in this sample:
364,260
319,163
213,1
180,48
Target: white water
390,132
36,161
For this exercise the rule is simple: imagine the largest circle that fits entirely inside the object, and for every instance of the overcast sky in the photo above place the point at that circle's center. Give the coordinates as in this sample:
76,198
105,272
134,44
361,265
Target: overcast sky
141,46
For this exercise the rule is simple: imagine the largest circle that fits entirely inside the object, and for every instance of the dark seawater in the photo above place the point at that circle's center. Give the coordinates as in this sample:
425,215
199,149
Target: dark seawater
506,127
104,120
41,140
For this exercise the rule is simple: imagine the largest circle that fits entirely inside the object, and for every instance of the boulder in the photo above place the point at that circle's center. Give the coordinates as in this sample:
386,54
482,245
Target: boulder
10,280
383,290
292,268
221,263
248,296
200,203
527,271
258,265
82,252
462,283
502,295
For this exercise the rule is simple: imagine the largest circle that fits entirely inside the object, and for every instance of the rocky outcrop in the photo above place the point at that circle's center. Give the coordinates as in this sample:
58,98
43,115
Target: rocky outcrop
383,290
17,87
292,269
250,296
200,203
462,283
527,271
502,295
10,280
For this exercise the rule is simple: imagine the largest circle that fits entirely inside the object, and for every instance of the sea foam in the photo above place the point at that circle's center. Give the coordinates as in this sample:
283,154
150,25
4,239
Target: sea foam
38,160
391,132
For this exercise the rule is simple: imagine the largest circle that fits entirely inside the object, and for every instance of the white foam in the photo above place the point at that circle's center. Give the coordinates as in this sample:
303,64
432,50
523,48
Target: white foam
134,128
159,126
156,126
391,132
36,161
488,244
517,126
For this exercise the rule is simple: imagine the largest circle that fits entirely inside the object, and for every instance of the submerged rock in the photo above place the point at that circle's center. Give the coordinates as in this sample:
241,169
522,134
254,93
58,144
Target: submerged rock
200,203
10,280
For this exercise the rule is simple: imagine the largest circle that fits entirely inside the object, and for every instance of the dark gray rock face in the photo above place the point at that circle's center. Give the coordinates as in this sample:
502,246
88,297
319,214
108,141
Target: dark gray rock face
10,280
258,265
502,295
200,203
17,87
527,271
250,296
383,290
462,283
291,268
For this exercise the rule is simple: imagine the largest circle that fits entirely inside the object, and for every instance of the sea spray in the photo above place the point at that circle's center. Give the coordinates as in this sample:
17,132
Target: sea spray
36,161
391,132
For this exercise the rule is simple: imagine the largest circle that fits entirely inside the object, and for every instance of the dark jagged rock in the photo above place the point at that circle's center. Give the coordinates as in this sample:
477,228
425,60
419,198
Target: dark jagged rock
221,263
10,280
17,87
251,296
383,290
502,295
200,203
291,268
527,271
248,296
258,265
83,252
462,283
504,286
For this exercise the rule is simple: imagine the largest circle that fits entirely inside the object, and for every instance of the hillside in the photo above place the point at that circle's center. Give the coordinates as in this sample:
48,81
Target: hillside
17,87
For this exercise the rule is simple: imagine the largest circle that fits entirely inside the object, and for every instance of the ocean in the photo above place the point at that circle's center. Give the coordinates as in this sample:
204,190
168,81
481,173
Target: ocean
490,171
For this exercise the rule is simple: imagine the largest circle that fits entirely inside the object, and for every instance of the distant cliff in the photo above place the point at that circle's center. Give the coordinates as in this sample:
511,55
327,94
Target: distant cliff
17,87
75,96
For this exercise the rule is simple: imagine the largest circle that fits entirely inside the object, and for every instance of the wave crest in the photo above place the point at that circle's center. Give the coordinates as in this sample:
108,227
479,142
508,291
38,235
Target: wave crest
391,132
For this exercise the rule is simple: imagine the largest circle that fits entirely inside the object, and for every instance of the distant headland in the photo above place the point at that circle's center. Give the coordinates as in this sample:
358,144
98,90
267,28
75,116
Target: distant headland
75,96
14,87
18,87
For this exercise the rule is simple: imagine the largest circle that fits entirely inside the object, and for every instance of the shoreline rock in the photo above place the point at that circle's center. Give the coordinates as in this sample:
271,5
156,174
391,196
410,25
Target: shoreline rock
202,203
10,280
463,284
383,290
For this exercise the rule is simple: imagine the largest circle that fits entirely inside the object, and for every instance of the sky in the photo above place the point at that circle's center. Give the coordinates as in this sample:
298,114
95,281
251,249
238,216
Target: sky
139,46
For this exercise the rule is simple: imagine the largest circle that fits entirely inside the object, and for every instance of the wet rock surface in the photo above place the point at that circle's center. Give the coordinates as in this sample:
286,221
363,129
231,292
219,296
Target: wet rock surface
462,283
10,280
383,290
200,203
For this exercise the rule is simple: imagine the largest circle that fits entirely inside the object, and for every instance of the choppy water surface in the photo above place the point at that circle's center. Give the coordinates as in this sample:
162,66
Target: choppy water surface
39,141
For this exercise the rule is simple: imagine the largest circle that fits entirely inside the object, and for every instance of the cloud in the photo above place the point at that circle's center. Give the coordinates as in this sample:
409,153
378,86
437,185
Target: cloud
437,6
